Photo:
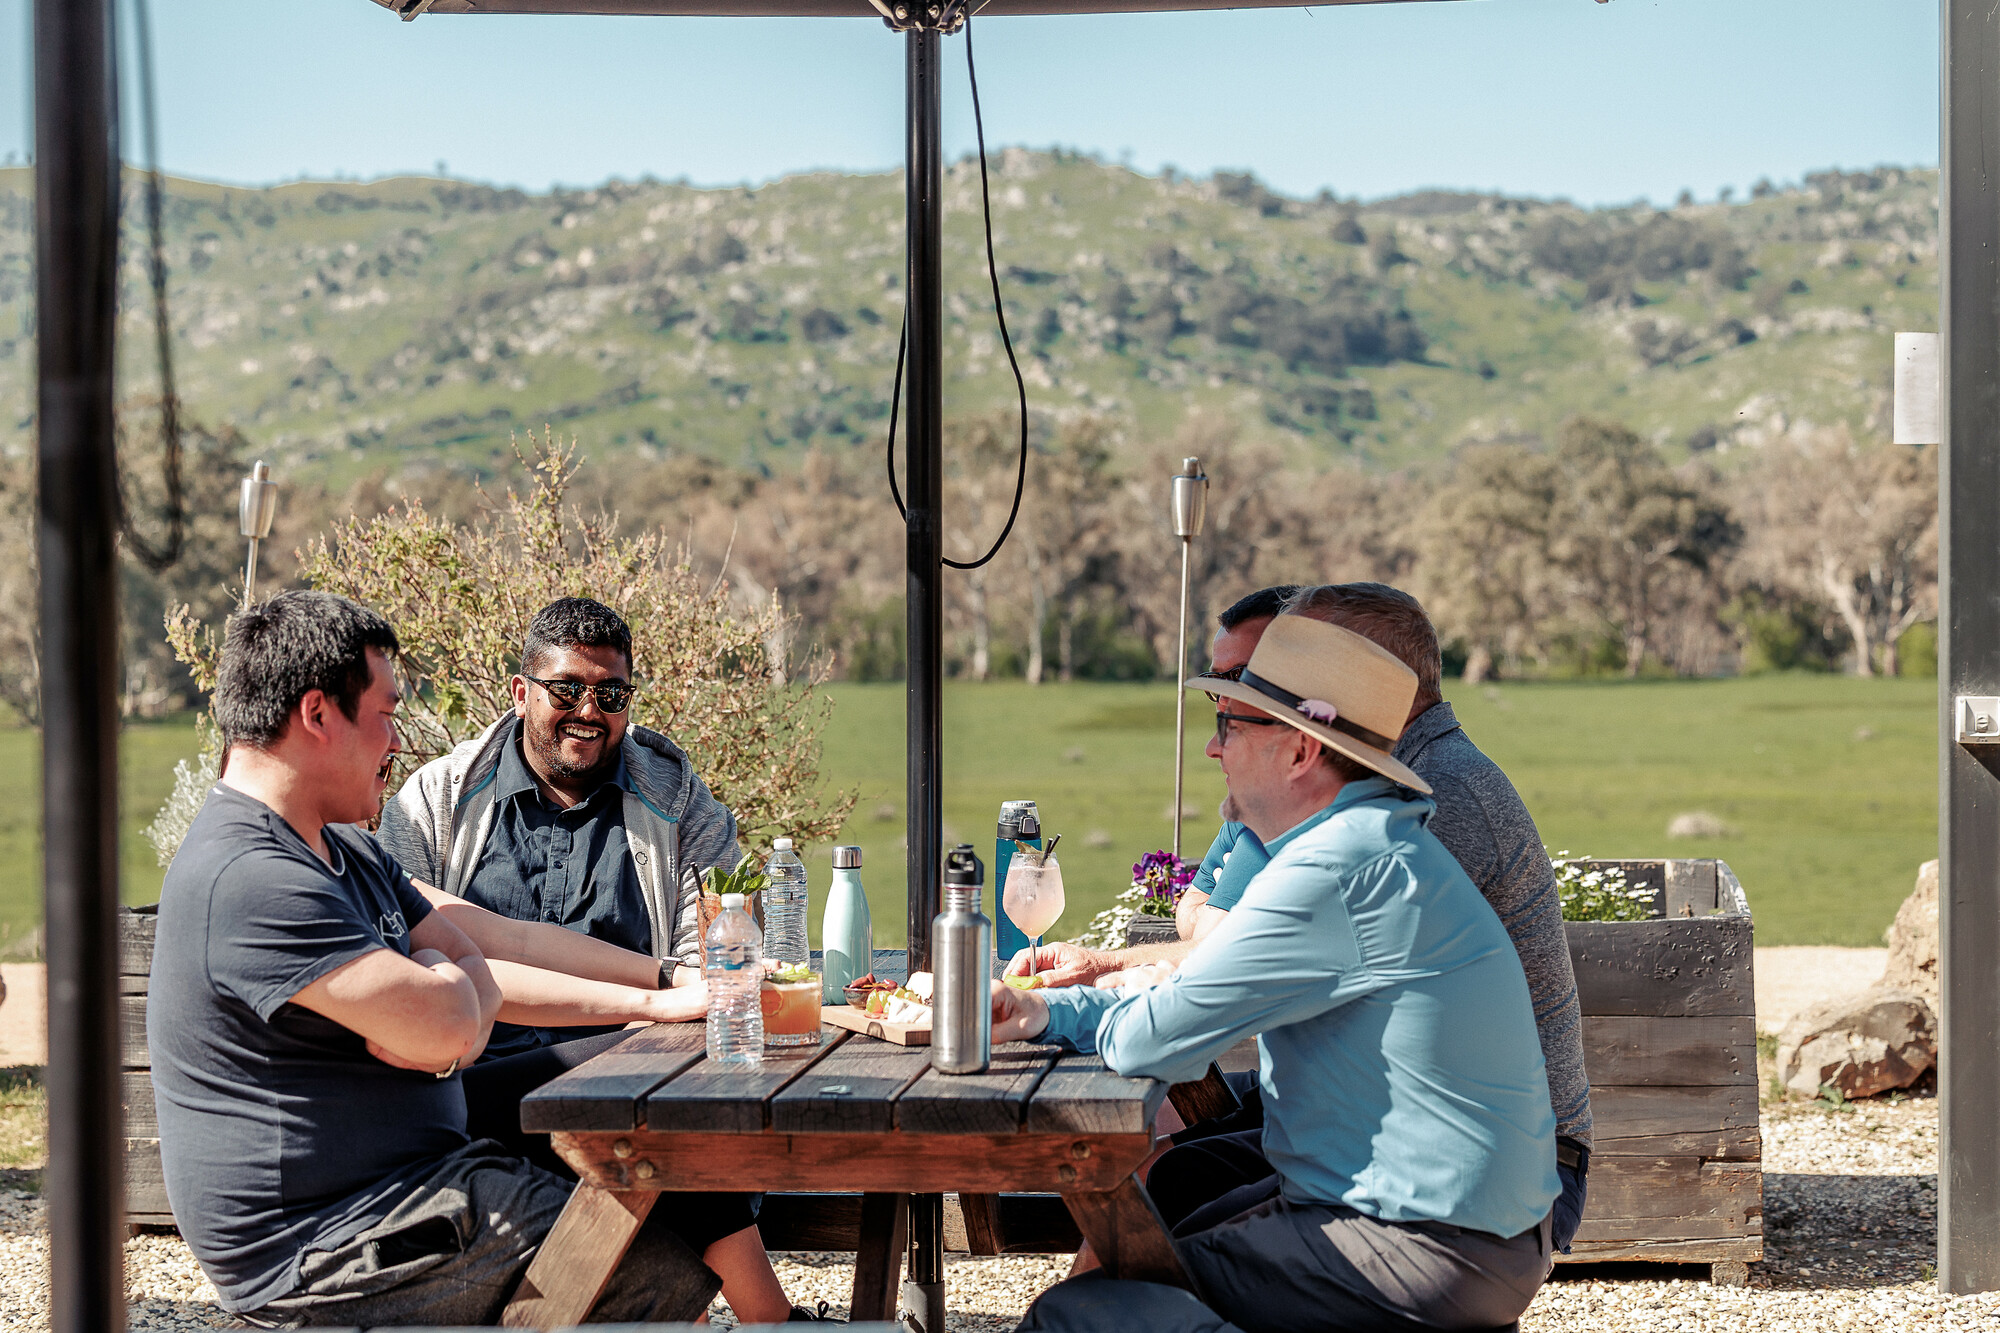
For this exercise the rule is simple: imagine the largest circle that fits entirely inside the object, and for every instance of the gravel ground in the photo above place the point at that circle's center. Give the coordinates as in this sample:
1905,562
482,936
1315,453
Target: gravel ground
1850,1232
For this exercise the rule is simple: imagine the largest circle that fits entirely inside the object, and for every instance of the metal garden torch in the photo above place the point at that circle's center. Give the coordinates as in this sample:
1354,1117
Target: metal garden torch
254,512
1190,507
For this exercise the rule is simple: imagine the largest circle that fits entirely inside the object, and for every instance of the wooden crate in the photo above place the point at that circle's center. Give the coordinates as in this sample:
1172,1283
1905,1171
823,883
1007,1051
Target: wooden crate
145,1186
1670,1047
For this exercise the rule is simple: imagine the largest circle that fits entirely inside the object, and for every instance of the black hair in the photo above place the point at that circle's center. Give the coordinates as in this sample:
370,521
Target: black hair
574,622
276,653
1264,604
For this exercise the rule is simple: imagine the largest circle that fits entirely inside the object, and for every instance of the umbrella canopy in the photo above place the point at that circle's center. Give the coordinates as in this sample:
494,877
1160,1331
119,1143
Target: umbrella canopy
821,8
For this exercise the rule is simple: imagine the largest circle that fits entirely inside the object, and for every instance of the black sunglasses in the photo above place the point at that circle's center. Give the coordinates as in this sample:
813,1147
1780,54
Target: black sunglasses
1231,673
613,696
1222,721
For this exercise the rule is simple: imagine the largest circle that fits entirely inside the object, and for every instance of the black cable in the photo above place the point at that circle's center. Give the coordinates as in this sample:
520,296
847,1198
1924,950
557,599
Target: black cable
1006,339
158,558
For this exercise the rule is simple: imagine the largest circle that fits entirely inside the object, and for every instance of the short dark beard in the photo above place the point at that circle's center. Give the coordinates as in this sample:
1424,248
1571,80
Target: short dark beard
548,749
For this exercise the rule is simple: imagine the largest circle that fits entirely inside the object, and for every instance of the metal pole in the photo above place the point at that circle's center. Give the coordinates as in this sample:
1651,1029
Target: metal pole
1969,651
1190,507
1180,695
76,205
923,1296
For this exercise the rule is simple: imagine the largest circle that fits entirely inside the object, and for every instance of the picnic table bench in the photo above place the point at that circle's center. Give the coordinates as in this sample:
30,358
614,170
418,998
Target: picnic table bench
854,1115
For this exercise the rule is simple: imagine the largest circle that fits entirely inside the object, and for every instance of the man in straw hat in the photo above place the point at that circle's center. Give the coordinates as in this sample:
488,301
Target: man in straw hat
1408,1156
1480,819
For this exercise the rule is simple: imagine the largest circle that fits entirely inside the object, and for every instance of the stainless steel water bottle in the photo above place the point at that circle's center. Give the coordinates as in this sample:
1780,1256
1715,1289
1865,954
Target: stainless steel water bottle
961,975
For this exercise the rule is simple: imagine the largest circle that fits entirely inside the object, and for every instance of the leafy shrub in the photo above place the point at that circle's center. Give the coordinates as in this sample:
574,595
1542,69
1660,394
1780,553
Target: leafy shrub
460,596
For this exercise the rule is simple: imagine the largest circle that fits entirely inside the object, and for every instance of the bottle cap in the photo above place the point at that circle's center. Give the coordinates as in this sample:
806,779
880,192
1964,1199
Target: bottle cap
781,844
1028,826
962,869
847,858
730,900
1011,813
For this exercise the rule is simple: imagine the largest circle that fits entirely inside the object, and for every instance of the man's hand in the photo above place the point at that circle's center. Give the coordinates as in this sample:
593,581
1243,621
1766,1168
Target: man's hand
1140,977
1018,1015
1064,964
1185,911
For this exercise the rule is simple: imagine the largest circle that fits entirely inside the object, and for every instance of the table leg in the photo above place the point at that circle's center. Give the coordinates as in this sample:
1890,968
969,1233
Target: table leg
577,1258
878,1260
982,1223
1127,1235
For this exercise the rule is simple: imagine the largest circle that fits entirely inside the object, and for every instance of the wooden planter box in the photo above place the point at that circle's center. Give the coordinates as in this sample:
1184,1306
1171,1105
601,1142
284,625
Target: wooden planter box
145,1186
1151,930
1670,1046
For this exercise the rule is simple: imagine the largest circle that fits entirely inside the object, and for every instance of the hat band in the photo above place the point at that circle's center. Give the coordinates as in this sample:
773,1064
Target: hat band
1293,701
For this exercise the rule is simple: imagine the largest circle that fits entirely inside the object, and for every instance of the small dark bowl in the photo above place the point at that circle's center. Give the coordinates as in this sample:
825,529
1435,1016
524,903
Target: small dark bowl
857,994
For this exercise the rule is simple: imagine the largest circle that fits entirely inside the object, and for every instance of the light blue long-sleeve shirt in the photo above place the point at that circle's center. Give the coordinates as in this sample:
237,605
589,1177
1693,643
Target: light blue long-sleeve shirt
1401,1070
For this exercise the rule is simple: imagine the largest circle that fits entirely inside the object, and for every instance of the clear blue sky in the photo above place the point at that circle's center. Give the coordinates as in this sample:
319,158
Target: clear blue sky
1600,102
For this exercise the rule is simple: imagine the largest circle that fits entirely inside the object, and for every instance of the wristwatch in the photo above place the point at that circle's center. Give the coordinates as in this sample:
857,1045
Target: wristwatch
449,1069
666,975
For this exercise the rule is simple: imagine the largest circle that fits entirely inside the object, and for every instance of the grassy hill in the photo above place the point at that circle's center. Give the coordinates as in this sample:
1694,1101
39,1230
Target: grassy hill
350,327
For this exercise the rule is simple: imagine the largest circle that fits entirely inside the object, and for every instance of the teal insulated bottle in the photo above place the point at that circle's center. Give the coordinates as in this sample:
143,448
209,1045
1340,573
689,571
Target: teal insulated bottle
1018,820
847,936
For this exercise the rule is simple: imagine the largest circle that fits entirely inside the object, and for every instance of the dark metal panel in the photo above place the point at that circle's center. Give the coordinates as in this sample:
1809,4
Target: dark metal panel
1969,648
831,8
76,237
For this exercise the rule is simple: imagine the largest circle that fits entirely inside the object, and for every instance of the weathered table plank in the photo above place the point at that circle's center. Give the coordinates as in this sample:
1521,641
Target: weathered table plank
872,1162
1081,1096
730,1099
995,1102
608,1092
852,1089
1623,1114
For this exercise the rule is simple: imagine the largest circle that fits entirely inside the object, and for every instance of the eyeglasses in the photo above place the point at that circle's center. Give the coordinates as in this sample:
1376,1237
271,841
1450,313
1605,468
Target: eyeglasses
613,696
1222,721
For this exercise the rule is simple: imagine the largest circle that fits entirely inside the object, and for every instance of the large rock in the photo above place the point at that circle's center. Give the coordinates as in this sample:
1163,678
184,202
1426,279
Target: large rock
1884,1039
1913,940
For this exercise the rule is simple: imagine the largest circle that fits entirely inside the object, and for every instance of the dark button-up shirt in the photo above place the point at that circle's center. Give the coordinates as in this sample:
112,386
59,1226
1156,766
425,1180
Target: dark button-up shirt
572,868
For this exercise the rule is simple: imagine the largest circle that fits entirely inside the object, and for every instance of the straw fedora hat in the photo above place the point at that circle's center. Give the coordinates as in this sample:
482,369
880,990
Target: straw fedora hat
1343,690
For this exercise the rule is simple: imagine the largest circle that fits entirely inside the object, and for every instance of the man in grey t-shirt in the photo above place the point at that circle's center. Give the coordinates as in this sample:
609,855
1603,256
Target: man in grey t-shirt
1480,819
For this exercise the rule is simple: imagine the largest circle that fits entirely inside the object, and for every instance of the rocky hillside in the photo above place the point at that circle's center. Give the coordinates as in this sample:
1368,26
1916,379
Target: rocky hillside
346,328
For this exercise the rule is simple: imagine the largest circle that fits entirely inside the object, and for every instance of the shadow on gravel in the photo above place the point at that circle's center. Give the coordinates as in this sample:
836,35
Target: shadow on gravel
1849,1231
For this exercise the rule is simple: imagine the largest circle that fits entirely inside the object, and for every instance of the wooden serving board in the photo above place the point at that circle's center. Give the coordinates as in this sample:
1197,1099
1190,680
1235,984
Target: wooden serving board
903,1034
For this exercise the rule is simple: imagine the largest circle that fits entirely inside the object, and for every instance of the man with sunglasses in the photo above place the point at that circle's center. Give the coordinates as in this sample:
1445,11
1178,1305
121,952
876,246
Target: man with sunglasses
563,812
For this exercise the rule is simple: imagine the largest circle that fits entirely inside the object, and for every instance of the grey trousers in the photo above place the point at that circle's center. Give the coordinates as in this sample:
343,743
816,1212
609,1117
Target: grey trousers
1303,1268
455,1249
1286,1267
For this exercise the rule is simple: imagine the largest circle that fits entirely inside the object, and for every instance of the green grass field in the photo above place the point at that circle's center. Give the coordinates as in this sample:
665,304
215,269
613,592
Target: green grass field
1828,785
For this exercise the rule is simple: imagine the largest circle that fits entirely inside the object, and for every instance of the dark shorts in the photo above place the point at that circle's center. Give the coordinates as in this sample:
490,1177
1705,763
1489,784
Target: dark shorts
493,1093
1572,1156
455,1248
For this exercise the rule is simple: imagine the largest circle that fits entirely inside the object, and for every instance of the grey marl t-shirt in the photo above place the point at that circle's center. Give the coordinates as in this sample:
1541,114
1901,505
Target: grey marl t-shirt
1484,825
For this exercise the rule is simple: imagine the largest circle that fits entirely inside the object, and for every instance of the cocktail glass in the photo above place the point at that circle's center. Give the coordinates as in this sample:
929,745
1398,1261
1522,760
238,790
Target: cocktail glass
1033,897
791,1010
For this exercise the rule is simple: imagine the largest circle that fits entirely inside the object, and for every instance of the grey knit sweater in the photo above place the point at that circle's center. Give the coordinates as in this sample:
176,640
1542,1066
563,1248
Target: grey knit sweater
1481,821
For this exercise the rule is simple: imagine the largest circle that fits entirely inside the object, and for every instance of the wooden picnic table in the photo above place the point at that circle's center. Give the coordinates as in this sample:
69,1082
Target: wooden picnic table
857,1115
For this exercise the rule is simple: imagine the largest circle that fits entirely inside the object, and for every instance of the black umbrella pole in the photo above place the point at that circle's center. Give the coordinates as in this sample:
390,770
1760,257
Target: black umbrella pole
76,199
923,185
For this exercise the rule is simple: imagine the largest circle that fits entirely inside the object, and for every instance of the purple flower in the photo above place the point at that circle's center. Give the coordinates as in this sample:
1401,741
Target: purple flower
1162,875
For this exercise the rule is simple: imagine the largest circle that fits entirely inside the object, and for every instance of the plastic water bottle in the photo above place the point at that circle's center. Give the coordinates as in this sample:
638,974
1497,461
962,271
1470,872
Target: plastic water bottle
733,965
785,905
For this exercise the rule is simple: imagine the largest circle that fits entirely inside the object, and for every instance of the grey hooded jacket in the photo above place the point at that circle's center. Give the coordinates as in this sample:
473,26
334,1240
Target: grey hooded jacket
438,824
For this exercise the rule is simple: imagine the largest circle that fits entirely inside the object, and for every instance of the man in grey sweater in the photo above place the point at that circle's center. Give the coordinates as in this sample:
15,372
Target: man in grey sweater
1480,819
